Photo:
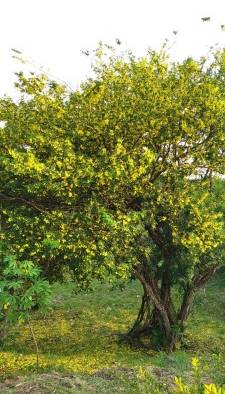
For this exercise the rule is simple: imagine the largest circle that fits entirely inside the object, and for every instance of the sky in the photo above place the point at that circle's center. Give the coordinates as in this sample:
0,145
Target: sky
52,33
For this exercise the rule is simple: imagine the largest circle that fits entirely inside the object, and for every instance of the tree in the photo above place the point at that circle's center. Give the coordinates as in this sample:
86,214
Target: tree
114,179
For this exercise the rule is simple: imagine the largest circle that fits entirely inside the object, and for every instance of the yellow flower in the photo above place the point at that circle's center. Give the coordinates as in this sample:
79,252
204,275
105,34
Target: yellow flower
195,363
212,389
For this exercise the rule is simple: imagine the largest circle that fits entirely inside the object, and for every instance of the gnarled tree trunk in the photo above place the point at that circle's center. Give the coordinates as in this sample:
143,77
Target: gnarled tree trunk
157,317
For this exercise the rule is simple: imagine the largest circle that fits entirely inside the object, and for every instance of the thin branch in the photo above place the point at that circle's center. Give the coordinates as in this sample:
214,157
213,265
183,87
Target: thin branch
30,203
35,342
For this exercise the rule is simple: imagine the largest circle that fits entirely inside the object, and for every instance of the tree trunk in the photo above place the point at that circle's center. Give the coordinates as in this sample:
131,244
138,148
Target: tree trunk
141,324
157,317
149,323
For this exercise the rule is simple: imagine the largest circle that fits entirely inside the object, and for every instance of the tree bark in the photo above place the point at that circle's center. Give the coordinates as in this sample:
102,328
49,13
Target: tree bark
160,317
157,316
152,292
141,324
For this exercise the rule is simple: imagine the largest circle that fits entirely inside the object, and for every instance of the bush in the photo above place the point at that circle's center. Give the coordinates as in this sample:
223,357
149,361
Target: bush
21,290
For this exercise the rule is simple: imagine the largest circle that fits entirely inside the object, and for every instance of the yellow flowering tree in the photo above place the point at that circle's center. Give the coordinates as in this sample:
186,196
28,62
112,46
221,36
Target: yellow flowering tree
113,180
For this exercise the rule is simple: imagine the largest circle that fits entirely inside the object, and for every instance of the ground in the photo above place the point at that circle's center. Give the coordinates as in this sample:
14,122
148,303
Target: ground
81,349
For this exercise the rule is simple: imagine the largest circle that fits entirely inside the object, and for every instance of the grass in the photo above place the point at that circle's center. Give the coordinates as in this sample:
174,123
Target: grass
70,384
80,336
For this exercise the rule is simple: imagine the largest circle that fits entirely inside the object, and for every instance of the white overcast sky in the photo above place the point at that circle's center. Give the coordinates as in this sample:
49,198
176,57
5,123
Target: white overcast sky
52,33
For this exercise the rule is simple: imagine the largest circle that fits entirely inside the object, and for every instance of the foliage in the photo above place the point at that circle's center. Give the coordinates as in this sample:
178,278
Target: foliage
112,180
198,387
21,290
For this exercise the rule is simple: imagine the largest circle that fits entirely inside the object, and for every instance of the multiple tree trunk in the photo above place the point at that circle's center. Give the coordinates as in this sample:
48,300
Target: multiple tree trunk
157,317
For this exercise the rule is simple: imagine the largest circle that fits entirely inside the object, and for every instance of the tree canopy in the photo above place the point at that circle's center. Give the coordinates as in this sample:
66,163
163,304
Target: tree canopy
114,179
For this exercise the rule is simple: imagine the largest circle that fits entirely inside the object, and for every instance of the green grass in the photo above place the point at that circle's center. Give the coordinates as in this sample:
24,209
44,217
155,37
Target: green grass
80,335
69,384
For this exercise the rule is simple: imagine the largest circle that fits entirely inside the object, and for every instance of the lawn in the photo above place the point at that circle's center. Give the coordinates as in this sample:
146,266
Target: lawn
81,335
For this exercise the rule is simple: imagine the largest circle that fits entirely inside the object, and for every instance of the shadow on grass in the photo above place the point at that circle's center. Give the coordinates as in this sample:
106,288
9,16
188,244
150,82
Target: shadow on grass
86,332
